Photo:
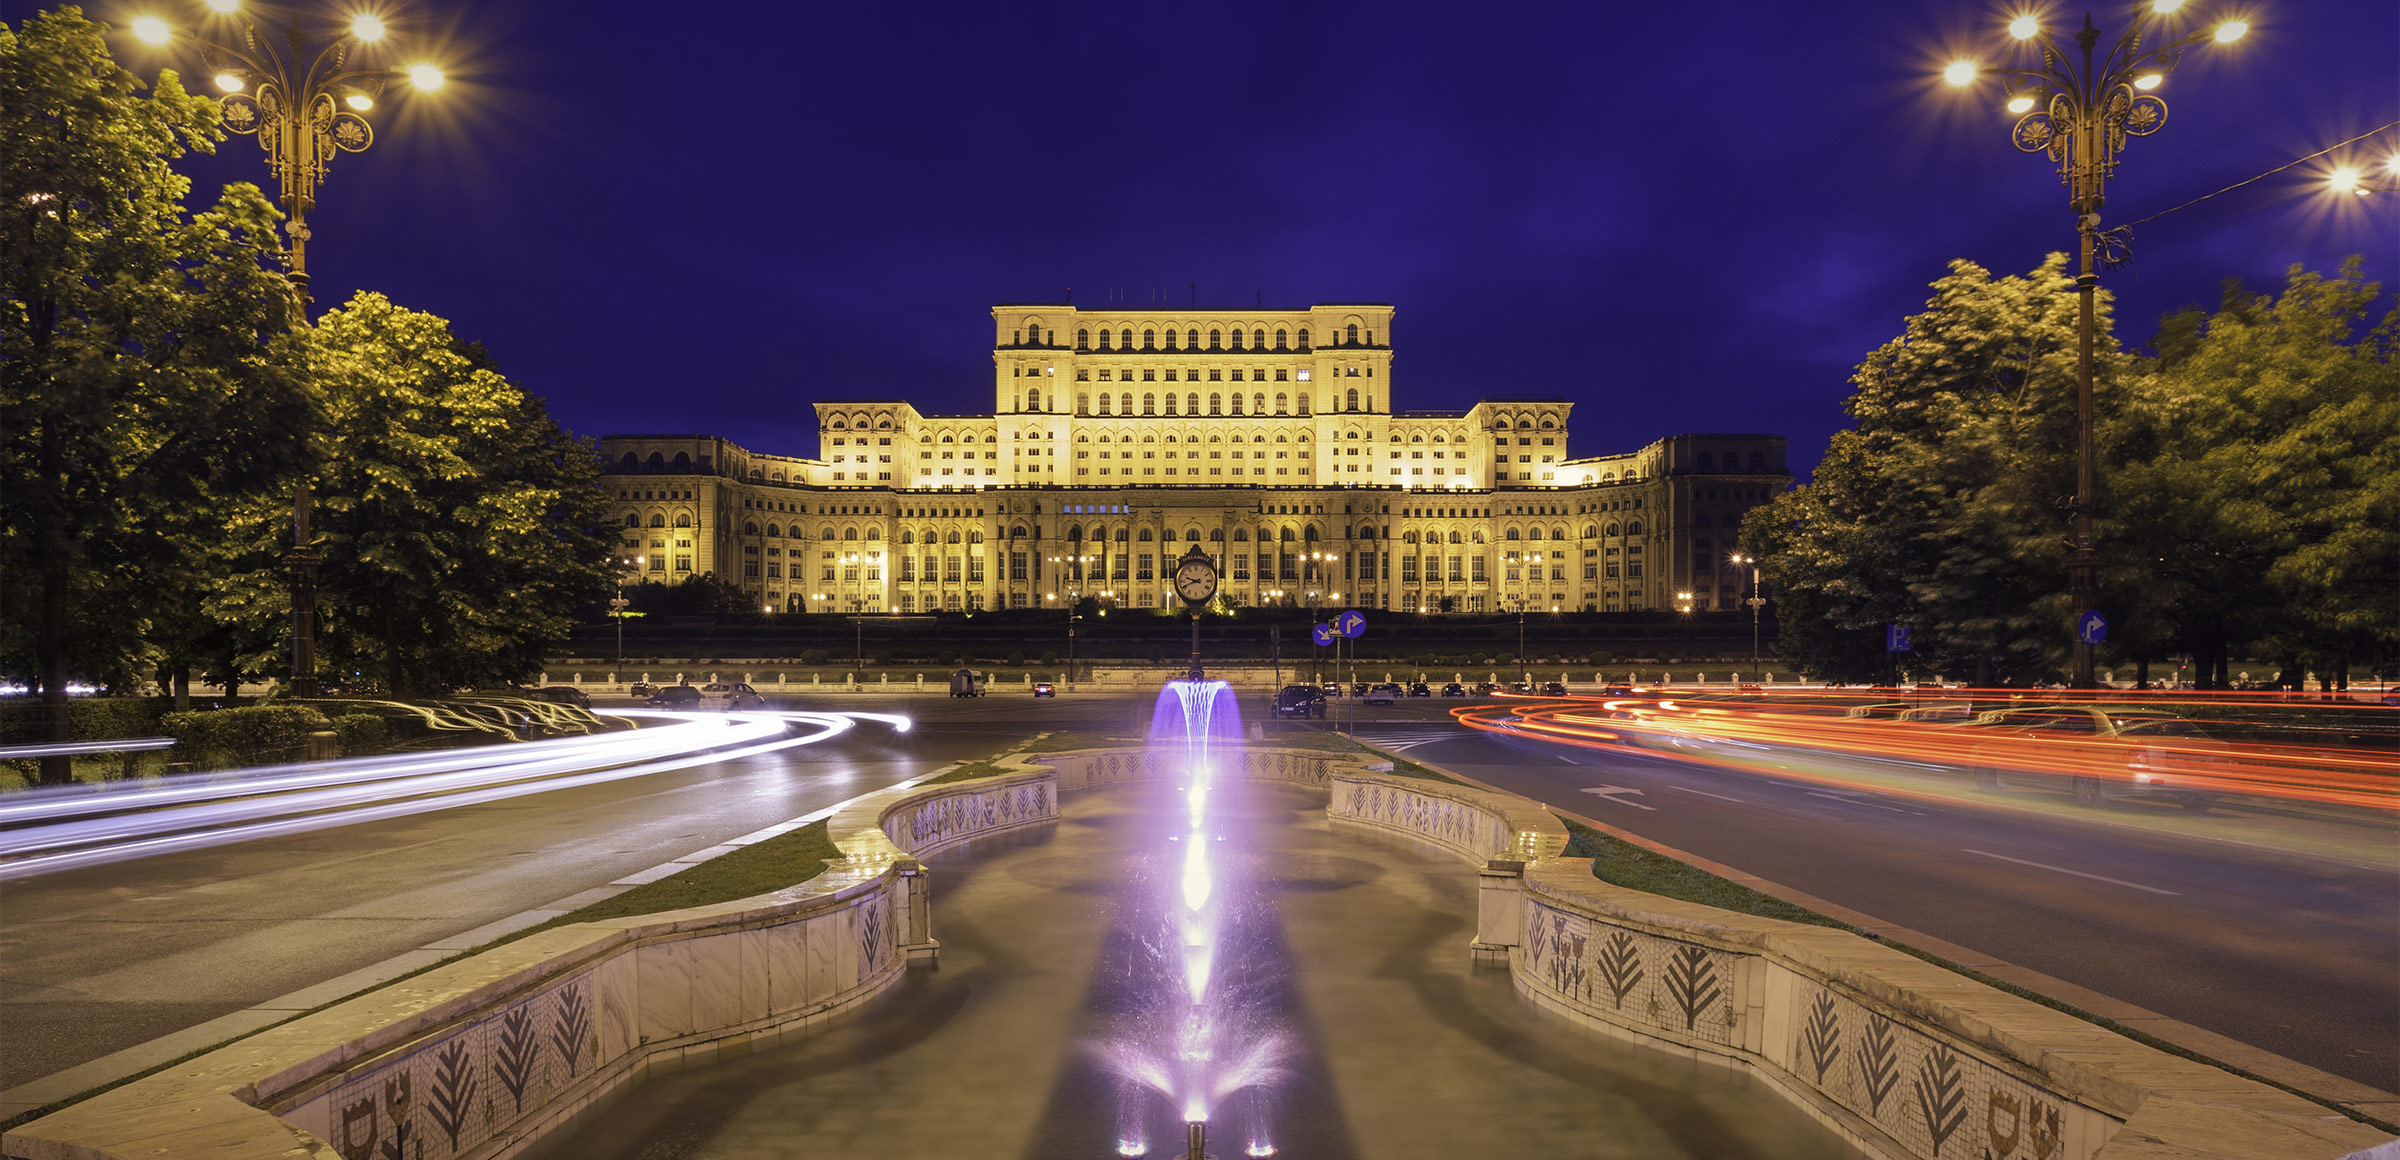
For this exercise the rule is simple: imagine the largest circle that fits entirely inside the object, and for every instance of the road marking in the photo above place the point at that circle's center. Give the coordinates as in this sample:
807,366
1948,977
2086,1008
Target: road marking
1849,800
2077,873
1705,793
1610,793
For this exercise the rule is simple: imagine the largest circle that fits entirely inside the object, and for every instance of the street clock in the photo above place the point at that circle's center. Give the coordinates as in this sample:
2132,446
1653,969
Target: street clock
1195,578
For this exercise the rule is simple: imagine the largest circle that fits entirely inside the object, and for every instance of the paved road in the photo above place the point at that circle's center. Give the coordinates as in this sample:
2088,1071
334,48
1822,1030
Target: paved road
2294,949
95,960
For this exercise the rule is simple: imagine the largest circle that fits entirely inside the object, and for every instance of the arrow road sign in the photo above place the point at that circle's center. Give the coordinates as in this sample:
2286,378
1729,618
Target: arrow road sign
1352,624
1323,634
2091,627
1610,792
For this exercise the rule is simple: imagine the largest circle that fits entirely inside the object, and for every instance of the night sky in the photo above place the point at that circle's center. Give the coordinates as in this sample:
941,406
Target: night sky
674,218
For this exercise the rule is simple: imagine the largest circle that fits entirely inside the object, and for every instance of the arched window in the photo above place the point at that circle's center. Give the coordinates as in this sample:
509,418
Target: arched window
1170,402
1351,404
1120,535
1216,339
775,531
1237,404
1083,339
1170,338
1033,400
1633,528
849,533
1281,403
683,463
952,538
1701,462
1479,535
1191,403
1302,337
1237,338
1216,403
630,464
1287,536
1125,403
1258,338
657,462
1354,334
632,520
1281,337
1454,536
1534,534
1258,403
1303,400
826,534
1083,404
1149,404
1512,534
908,535
683,519
975,535
1033,334
1216,535
1408,537
749,529
1758,461
657,520
1149,339
1590,531
1145,536
1241,535
875,534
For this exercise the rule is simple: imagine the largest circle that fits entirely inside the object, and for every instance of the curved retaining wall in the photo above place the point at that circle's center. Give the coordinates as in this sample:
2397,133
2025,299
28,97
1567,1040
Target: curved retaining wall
479,1059
1907,1059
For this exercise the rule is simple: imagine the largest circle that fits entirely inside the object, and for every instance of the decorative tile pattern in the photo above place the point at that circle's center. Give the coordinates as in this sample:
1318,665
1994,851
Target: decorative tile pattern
1475,832
956,817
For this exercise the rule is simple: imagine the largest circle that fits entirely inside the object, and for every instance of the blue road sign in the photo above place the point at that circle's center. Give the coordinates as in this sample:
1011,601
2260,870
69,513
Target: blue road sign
1323,634
1895,639
1352,624
2091,627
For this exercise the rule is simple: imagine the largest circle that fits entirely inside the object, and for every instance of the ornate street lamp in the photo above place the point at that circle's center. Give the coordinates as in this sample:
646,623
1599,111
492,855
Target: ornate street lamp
303,107
2079,108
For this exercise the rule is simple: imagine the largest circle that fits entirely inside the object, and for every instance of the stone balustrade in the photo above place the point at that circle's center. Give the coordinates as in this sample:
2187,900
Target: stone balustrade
1904,1058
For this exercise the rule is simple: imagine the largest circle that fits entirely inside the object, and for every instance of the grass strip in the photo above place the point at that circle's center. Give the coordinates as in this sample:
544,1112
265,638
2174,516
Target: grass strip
1621,863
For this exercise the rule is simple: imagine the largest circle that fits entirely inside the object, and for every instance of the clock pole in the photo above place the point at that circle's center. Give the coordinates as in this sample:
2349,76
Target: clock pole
1195,582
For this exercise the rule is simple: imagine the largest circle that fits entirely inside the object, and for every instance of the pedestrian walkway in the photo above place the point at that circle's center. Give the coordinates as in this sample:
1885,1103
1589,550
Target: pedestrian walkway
1407,1052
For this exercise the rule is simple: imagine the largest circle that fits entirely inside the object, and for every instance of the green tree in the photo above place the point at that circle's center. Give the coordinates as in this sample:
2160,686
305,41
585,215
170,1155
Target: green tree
459,526
137,389
2262,478
1947,506
697,594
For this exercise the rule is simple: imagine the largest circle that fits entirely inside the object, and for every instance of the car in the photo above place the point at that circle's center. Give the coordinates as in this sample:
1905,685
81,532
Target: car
1044,689
1383,694
1333,689
1553,689
1359,688
1300,701
1487,688
642,689
675,697
729,696
2116,753
561,695
1419,689
1454,689
1521,688
1618,690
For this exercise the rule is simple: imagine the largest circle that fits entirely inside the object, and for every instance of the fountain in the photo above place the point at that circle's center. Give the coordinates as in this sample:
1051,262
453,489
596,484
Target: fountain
1201,1037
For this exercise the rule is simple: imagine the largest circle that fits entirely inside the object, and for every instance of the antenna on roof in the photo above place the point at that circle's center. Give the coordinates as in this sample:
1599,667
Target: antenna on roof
1195,296
1070,296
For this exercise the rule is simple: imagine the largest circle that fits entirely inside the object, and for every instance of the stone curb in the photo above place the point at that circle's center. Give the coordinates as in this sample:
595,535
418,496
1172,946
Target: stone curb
2350,1094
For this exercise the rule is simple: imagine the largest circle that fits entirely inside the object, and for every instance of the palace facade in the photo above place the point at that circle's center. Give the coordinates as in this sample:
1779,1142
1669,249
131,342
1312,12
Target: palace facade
1119,437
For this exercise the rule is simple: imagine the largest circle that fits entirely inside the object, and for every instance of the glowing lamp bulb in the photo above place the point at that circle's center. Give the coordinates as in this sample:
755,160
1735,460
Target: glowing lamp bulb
2149,81
1959,73
229,82
366,27
152,30
224,7
2232,30
359,101
2162,7
2025,27
2393,166
426,77
2344,179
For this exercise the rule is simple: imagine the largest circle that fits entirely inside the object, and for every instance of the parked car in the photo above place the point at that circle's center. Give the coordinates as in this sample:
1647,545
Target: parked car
562,695
730,695
1383,694
1044,689
1419,689
1454,689
1553,689
1300,701
967,683
1359,688
643,689
1487,688
1618,690
1333,688
675,697
2128,753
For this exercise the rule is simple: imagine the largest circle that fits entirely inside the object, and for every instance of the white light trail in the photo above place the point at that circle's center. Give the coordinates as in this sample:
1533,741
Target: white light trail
345,793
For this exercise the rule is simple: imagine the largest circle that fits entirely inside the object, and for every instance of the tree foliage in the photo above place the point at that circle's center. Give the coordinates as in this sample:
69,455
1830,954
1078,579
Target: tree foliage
2248,491
138,392
458,525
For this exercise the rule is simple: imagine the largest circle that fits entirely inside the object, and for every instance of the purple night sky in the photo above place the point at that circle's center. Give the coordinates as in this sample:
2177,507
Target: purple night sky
1684,218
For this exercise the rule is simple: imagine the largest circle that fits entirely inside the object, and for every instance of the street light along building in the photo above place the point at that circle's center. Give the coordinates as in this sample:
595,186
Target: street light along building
1118,438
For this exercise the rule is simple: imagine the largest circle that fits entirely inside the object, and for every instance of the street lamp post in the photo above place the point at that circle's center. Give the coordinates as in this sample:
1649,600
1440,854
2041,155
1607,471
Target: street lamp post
618,606
303,109
2079,110
1755,602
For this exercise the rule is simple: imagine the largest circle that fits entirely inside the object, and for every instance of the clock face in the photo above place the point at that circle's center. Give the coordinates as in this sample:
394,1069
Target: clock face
1196,582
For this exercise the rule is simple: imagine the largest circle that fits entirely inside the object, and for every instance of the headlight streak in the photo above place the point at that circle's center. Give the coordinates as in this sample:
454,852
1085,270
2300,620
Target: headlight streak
371,789
2324,774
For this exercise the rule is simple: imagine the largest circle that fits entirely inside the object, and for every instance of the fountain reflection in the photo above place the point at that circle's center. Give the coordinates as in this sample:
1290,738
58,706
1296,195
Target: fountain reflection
1201,1030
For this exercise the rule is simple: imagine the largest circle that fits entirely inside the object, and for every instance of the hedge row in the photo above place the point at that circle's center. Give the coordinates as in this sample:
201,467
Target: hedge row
27,721
362,734
254,735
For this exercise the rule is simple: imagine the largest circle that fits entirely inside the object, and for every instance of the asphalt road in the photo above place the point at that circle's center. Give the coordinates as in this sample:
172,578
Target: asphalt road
104,958
2279,932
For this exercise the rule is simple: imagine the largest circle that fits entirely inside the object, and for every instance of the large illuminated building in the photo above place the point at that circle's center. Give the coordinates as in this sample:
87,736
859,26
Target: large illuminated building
1118,438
